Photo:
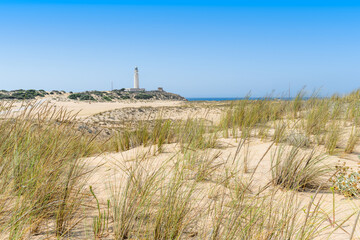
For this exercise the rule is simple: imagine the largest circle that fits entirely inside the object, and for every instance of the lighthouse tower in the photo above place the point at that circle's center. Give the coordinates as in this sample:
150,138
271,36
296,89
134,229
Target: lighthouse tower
136,78
136,83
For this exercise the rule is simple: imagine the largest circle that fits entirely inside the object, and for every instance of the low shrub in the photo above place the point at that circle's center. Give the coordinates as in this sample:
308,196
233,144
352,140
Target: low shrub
57,92
86,97
24,94
4,96
345,181
74,96
143,96
107,98
98,93
81,96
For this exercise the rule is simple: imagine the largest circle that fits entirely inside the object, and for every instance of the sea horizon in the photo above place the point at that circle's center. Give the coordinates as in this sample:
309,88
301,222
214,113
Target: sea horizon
237,98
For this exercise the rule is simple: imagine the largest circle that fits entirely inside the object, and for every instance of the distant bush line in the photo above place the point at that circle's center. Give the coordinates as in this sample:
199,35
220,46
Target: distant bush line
108,96
81,96
22,94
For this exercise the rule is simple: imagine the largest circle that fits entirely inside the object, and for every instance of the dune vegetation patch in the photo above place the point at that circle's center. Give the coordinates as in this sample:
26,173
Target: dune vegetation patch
256,169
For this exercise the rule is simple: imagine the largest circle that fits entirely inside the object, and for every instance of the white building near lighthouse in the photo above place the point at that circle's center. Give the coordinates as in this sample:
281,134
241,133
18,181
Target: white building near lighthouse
136,83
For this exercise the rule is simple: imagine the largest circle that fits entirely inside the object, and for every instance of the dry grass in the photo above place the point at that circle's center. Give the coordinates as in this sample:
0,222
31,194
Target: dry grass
41,174
298,170
196,193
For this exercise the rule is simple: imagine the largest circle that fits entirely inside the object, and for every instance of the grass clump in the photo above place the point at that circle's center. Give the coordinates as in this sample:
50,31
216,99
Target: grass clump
195,134
332,137
131,203
190,134
202,165
172,216
40,170
101,221
160,133
245,115
280,128
352,141
263,217
292,169
317,116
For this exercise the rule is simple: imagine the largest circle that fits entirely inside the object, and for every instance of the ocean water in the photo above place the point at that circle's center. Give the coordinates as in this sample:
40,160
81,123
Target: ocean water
232,99
212,99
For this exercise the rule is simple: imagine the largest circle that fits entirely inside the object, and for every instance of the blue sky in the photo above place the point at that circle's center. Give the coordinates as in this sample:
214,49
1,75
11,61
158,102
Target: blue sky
194,48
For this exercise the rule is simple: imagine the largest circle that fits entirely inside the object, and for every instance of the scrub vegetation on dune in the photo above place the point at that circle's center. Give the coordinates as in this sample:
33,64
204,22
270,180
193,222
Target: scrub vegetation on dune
188,178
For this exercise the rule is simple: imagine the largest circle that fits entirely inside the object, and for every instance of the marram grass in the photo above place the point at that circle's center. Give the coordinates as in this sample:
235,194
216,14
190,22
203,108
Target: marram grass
42,173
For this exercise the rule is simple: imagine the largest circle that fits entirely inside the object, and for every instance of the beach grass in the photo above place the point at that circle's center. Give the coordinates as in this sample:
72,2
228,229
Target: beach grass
201,180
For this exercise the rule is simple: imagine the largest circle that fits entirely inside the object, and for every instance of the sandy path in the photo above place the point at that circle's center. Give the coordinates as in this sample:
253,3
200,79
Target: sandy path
86,109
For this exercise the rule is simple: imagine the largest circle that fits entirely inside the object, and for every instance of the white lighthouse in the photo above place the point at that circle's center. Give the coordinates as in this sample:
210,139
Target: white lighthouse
136,83
136,78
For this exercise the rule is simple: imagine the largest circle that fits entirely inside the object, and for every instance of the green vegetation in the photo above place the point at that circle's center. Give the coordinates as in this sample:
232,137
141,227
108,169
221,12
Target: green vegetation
143,96
125,97
293,170
40,170
190,178
107,96
121,94
81,96
189,134
22,94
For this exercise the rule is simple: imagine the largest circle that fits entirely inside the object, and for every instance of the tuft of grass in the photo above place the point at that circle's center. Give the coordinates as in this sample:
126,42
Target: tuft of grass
190,134
195,134
202,165
144,134
317,116
247,114
274,216
332,137
297,104
172,217
280,128
101,221
352,141
131,204
41,172
292,169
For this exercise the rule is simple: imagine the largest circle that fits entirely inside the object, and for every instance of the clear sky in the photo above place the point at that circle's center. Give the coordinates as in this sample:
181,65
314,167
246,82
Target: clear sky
194,48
